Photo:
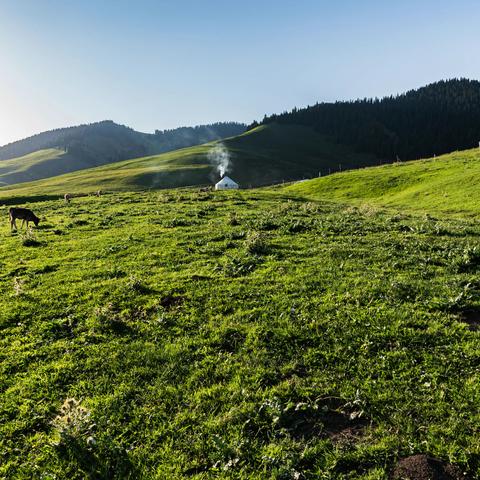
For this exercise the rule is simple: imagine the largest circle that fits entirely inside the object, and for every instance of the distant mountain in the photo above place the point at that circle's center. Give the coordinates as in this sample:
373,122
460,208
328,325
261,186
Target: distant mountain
304,143
68,149
439,118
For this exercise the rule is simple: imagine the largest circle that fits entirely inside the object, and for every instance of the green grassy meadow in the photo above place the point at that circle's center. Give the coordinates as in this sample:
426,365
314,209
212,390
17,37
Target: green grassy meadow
448,184
246,335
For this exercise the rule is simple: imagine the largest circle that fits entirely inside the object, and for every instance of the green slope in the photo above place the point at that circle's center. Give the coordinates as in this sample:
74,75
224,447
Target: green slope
42,163
265,155
448,184
272,153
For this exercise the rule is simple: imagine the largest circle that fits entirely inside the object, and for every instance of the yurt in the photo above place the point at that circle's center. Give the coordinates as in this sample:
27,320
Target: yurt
226,183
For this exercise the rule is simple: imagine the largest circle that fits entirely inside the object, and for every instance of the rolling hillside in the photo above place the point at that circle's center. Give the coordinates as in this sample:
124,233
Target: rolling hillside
439,118
40,164
265,155
68,149
447,184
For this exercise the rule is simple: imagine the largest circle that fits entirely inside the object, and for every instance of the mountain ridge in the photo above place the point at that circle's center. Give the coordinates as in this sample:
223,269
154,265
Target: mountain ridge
58,137
434,119
303,143
100,143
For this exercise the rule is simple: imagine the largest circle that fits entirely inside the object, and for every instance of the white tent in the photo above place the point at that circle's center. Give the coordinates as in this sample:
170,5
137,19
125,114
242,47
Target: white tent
226,183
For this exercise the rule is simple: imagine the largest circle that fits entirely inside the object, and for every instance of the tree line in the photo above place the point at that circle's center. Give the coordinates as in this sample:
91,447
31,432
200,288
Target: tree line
107,140
439,118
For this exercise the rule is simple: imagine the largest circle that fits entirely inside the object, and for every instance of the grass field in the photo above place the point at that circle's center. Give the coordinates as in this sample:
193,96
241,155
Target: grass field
262,156
249,334
448,185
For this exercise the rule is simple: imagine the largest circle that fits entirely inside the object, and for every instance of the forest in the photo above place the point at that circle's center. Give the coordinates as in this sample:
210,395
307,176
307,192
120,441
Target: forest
439,118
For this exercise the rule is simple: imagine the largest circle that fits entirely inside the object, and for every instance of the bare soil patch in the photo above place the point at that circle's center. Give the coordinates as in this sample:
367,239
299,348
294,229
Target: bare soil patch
423,467
170,301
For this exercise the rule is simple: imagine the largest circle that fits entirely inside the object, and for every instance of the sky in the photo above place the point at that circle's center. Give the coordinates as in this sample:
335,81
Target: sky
154,64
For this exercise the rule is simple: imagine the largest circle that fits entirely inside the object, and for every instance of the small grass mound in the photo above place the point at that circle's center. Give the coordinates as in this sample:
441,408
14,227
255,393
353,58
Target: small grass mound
423,467
29,239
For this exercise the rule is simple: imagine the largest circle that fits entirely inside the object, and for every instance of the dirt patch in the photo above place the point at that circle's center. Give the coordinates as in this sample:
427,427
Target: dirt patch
170,301
423,467
471,318
340,426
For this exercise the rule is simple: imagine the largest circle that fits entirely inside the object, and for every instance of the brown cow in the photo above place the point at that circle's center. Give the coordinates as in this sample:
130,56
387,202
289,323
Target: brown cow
23,214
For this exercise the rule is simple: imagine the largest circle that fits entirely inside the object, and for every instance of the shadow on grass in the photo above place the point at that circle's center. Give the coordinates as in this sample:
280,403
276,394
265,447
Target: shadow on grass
27,199
111,463
44,226
471,317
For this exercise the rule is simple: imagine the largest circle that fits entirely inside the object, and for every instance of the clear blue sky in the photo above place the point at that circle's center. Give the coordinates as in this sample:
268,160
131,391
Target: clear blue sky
161,64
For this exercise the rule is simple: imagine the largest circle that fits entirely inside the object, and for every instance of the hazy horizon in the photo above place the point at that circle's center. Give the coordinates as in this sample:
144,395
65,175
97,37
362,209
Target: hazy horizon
161,65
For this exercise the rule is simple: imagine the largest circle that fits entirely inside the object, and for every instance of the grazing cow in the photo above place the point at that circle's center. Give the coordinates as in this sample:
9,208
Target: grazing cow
23,214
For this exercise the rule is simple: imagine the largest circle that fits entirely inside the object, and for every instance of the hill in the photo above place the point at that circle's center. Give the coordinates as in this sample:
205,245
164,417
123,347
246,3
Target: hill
248,334
40,163
68,149
445,184
435,119
265,155
438,118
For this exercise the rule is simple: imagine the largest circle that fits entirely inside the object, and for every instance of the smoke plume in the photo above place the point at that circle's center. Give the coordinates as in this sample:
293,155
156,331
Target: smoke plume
220,158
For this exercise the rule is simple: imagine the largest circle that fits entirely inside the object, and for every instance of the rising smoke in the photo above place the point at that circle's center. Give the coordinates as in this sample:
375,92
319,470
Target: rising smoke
220,158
